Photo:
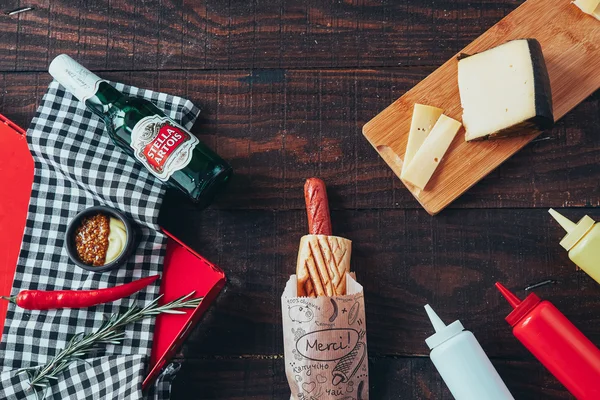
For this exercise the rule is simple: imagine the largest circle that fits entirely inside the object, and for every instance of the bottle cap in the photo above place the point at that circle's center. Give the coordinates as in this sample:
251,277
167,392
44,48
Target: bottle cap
80,82
442,332
521,308
575,231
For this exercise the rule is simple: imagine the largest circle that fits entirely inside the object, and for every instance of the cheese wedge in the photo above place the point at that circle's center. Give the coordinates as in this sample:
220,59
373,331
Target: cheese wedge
505,91
423,119
429,156
591,7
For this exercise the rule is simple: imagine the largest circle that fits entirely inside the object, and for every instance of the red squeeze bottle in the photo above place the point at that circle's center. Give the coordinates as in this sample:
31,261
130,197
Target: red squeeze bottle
557,343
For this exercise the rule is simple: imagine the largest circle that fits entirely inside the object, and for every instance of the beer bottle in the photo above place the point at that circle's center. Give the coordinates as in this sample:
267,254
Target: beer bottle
169,151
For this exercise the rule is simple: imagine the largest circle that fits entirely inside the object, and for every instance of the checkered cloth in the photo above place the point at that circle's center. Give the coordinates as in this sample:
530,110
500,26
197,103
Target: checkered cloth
76,167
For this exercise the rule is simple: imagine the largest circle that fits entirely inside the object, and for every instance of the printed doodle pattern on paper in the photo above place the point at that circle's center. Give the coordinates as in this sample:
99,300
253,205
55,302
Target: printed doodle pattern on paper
334,315
327,344
361,385
349,364
298,333
309,387
297,355
353,314
301,313
302,396
326,352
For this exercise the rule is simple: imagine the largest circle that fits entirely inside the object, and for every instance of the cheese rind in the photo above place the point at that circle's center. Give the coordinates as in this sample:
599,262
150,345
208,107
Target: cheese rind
423,119
505,91
591,7
428,157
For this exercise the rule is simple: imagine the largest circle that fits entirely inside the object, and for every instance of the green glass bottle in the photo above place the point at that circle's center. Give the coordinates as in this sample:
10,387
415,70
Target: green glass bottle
142,130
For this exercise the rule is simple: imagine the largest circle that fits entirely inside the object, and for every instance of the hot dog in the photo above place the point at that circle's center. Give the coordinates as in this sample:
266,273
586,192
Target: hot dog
323,260
317,207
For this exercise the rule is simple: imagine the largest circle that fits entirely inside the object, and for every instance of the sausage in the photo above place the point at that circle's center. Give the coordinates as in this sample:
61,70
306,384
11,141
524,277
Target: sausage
317,207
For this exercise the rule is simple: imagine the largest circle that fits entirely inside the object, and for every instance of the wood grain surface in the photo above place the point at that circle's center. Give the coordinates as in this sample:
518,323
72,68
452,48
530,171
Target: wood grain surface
404,259
570,42
278,127
285,87
217,34
391,378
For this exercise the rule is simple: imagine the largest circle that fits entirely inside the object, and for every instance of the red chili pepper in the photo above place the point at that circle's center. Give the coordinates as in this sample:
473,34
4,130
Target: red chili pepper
48,300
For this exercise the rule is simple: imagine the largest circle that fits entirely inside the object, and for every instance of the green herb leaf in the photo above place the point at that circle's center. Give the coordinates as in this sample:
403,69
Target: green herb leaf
111,331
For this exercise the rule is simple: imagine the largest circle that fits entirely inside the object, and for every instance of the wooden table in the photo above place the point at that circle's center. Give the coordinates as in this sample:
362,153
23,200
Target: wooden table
285,87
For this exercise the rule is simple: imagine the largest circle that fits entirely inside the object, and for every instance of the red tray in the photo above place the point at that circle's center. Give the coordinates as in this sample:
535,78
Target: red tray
16,177
184,270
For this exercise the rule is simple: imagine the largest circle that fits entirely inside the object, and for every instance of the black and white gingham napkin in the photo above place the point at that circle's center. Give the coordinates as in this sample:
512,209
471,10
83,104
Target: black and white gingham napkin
76,167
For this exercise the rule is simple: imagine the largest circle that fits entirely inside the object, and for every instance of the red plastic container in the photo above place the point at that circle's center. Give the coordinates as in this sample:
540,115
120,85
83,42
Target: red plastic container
184,271
16,177
557,343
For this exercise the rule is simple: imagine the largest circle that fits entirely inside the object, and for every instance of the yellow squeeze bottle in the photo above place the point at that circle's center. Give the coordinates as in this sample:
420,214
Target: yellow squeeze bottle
582,242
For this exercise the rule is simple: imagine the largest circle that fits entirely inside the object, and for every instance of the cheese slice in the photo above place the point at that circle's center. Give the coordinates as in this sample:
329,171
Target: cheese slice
505,91
431,152
423,119
591,7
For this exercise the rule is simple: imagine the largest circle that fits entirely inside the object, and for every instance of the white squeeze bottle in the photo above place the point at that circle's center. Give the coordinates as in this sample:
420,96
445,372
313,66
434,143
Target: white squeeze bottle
462,363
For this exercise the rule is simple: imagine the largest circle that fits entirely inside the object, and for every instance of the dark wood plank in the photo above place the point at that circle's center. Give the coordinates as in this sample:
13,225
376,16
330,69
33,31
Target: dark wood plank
94,31
215,34
9,28
390,378
285,87
278,127
194,34
122,39
33,36
404,259
65,31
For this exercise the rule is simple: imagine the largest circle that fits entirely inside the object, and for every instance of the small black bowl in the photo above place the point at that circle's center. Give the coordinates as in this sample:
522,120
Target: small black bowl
111,212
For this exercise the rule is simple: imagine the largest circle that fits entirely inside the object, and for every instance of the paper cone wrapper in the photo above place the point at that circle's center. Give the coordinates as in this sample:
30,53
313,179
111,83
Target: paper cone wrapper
325,344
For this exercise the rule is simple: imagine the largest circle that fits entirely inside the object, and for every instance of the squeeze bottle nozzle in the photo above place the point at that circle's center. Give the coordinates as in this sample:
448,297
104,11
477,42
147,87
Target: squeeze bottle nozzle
565,222
575,231
520,307
436,321
513,300
582,241
443,332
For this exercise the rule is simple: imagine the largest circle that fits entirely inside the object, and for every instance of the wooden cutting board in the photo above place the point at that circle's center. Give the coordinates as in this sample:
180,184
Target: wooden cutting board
570,41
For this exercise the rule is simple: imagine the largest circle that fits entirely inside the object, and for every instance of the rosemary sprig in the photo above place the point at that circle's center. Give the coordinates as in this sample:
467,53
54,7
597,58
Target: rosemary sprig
110,332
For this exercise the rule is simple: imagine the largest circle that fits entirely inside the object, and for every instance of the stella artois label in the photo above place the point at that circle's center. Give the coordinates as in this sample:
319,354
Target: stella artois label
162,146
